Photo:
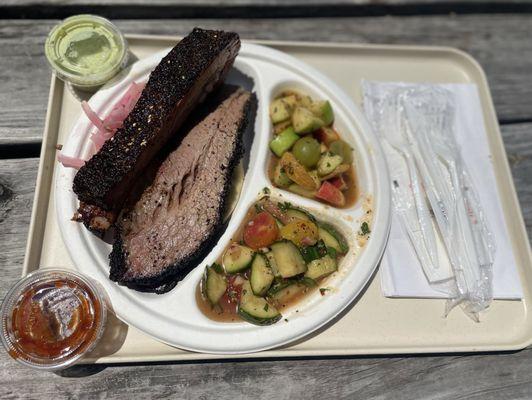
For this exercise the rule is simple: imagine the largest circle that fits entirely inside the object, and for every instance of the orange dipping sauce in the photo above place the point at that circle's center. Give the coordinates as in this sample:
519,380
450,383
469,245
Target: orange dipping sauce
51,318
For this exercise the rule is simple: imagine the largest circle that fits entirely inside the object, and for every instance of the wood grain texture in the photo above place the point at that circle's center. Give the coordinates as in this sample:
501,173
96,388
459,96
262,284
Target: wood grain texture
179,3
17,184
482,377
477,377
498,42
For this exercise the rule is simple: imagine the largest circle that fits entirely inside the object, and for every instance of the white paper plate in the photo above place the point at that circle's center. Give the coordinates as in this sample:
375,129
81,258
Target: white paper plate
174,318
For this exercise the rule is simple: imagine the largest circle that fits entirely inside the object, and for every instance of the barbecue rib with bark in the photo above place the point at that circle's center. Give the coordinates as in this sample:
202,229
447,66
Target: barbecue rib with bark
178,218
192,69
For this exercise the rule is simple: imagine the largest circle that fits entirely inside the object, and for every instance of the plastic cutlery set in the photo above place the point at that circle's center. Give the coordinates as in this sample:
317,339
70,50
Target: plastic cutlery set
416,127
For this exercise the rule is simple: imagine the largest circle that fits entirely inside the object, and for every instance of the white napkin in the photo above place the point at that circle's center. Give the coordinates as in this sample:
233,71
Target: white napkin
401,273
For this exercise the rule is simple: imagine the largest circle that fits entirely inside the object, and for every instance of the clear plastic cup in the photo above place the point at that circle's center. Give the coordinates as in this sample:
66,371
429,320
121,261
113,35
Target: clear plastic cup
52,317
86,50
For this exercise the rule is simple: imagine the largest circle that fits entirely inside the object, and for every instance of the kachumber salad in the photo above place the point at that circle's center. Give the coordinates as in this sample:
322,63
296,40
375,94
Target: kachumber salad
280,254
308,156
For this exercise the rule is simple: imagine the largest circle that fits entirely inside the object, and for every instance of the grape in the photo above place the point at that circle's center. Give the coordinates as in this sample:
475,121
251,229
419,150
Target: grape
307,151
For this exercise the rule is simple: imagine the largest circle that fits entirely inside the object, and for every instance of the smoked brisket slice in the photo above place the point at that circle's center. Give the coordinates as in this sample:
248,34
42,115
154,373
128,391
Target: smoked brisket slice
191,70
178,218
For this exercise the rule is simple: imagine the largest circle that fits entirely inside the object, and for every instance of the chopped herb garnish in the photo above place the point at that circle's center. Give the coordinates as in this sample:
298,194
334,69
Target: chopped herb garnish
332,252
324,290
266,190
284,205
286,320
364,229
266,306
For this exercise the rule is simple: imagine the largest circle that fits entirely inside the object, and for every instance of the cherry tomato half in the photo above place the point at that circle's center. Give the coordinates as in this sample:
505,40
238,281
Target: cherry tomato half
261,231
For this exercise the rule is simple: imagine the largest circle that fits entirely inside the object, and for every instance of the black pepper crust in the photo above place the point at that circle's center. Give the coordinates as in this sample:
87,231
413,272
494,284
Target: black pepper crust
168,278
104,179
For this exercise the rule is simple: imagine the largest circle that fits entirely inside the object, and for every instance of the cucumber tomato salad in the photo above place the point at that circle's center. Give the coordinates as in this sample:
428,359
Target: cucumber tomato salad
309,157
280,254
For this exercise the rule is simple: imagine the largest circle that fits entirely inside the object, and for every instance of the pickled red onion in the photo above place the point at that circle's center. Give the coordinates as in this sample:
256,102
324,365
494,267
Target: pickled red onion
70,162
106,128
91,115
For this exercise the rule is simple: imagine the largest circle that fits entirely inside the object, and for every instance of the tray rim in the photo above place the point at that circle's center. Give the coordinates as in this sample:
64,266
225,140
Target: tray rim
41,199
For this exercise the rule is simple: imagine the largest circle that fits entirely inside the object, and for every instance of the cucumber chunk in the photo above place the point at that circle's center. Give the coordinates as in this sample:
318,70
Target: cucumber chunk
280,110
311,253
290,100
213,284
321,267
271,261
300,190
299,213
280,178
289,260
332,238
323,110
261,275
328,162
256,310
278,285
342,149
287,292
283,141
304,121
237,258
281,126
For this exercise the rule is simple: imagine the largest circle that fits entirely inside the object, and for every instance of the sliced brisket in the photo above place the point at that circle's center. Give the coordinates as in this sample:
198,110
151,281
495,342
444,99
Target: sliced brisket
184,77
177,219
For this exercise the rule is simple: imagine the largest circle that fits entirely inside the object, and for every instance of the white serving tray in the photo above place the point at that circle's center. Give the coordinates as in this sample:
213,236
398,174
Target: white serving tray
373,324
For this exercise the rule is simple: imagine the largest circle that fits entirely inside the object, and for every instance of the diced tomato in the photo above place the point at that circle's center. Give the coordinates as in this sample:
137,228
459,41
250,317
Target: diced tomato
326,135
228,304
331,194
261,231
339,182
231,297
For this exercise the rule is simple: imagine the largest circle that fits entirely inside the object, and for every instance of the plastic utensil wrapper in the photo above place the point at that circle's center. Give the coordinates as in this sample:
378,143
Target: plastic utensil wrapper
416,126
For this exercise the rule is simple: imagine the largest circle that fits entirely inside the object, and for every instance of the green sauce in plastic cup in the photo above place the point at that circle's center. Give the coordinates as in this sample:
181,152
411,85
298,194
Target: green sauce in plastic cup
86,50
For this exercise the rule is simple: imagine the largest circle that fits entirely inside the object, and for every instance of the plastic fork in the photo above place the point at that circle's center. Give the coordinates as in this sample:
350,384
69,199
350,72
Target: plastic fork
398,140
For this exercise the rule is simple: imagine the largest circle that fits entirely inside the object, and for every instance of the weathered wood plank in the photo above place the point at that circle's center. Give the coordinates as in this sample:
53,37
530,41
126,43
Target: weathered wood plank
431,377
499,42
518,144
492,376
242,2
17,184
172,9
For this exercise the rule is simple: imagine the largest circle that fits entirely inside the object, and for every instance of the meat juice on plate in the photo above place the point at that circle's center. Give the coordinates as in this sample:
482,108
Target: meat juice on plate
280,255
309,157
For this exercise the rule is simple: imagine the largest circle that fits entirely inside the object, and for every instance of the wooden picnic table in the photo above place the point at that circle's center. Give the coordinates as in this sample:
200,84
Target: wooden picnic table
497,34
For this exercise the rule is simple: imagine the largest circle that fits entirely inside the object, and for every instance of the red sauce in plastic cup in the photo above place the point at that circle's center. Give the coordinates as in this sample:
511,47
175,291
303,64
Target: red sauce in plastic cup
52,317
